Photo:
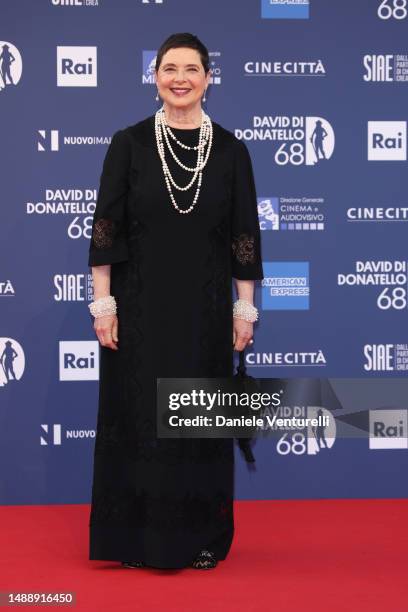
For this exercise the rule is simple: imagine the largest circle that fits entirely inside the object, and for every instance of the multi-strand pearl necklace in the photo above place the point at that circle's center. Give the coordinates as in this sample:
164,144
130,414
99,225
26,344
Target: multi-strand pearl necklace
205,138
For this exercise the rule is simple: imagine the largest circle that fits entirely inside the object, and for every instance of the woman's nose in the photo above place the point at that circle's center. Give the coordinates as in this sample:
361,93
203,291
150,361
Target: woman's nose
179,76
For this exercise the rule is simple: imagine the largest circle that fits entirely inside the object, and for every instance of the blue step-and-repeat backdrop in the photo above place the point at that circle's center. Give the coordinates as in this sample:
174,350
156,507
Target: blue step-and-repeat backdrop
318,90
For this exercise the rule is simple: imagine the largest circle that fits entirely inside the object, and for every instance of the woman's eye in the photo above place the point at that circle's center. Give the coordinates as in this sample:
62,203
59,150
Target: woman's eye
172,69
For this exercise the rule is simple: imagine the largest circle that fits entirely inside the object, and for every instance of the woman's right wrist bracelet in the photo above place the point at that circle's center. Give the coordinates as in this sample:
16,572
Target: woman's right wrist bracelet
103,306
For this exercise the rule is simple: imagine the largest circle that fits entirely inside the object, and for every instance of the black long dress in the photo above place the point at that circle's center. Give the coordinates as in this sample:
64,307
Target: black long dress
159,500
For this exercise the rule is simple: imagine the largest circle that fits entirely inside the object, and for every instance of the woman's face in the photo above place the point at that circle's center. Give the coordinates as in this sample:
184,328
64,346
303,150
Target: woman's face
181,79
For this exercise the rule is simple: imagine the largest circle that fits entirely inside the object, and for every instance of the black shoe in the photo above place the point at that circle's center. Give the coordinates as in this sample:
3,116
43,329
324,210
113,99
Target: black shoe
133,564
205,560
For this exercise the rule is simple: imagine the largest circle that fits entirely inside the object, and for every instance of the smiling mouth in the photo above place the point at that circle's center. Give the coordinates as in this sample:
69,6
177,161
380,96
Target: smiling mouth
179,91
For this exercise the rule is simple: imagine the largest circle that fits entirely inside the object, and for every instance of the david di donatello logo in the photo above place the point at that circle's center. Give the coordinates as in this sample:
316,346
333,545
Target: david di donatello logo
11,65
285,9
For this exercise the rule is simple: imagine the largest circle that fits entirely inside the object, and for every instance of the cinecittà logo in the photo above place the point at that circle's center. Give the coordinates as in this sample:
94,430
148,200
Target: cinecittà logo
290,359
6,289
377,214
284,68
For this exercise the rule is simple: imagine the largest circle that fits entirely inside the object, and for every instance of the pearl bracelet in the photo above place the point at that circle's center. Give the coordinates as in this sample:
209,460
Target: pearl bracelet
103,306
245,310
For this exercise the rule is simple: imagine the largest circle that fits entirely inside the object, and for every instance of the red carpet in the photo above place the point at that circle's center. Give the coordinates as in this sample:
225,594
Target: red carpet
320,555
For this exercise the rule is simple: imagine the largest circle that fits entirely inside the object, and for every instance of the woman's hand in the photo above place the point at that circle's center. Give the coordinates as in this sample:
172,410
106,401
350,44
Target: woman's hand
106,329
242,334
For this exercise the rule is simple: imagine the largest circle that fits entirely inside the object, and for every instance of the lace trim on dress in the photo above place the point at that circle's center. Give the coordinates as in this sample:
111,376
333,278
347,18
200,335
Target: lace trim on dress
243,247
102,233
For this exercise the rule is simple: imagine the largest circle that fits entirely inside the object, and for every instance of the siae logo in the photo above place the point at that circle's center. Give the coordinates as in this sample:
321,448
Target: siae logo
67,2
378,68
386,357
379,357
387,140
77,66
73,287
85,3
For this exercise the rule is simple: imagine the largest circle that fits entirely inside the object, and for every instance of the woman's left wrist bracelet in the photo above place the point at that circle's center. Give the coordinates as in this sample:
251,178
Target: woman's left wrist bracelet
245,310
103,306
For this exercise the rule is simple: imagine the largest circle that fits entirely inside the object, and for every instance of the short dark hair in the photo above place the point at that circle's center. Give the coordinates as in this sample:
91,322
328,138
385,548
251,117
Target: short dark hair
184,39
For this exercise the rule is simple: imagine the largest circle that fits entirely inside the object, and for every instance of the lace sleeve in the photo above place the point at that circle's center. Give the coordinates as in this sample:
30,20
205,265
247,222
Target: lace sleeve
246,255
108,238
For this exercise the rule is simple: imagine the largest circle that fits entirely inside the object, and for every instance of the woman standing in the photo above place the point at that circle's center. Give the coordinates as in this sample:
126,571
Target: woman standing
175,220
